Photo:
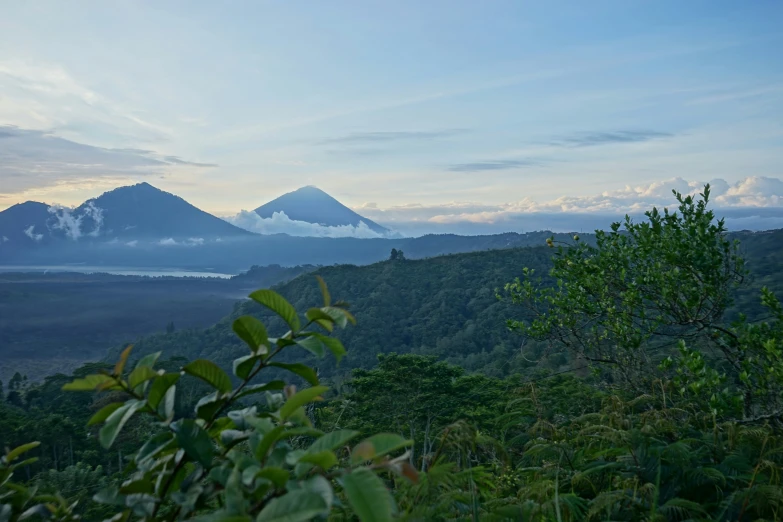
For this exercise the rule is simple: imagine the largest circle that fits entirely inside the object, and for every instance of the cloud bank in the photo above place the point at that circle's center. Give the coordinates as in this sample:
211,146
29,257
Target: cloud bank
280,223
753,203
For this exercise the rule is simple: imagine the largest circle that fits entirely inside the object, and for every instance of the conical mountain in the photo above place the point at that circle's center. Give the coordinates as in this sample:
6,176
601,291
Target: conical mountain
313,205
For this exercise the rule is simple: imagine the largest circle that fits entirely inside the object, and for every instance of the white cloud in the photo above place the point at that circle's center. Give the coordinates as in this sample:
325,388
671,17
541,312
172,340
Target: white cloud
132,243
750,192
4,239
30,232
71,224
755,203
170,241
280,223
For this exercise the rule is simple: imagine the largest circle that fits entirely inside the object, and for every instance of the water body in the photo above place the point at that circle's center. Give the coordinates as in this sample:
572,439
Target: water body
116,270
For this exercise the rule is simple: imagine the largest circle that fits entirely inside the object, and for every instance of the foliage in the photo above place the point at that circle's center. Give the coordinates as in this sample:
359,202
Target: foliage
230,460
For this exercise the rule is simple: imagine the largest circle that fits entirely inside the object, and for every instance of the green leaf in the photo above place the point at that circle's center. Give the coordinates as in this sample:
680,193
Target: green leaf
258,388
277,476
268,441
244,365
123,359
210,373
322,459
324,290
334,346
209,405
312,344
252,331
116,421
194,440
159,387
319,316
154,446
341,317
148,360
294,506
16,452
276,303
300,399
332,441
301,370
89,383
378,446
104,413
369,498
140,375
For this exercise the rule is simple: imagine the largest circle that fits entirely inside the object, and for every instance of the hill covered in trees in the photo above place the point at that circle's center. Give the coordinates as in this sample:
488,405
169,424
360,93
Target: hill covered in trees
444,306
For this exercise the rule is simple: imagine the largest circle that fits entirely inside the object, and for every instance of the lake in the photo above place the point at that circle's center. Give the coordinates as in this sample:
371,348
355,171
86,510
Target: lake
116,270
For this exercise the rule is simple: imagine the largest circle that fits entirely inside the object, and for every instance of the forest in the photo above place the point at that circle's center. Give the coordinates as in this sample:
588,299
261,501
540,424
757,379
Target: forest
635,376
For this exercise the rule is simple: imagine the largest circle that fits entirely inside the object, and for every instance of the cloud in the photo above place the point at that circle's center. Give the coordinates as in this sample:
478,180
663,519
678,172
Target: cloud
193,241
37,158
70,223
4,239
754,203
30,232
492,165
590,139
375,137
280,223
132,243
178,161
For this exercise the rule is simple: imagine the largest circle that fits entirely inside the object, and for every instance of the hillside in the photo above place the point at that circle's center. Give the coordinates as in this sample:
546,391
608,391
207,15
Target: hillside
20,224
444,306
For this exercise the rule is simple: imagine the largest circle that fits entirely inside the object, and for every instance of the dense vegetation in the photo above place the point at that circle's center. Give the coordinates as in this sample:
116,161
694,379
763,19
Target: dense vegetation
660,407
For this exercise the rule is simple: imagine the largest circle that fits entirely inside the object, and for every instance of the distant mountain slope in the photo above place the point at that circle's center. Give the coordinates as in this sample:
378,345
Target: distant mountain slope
143,211
24,223
313,205
444,305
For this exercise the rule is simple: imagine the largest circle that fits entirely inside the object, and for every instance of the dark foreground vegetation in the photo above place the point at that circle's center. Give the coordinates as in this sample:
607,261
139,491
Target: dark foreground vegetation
664,402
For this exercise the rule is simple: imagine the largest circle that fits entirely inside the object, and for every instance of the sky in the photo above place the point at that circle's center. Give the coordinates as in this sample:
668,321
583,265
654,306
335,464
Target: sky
420,114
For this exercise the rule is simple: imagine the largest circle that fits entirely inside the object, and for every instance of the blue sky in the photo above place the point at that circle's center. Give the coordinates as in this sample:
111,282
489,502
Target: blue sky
407,110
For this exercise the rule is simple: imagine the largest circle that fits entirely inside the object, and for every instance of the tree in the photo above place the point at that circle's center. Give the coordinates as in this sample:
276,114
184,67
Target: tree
396,255
417,396
628,302
622,302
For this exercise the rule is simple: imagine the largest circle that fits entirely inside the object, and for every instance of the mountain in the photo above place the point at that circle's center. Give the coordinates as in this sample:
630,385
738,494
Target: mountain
137,212
24,224
313,205
143,211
